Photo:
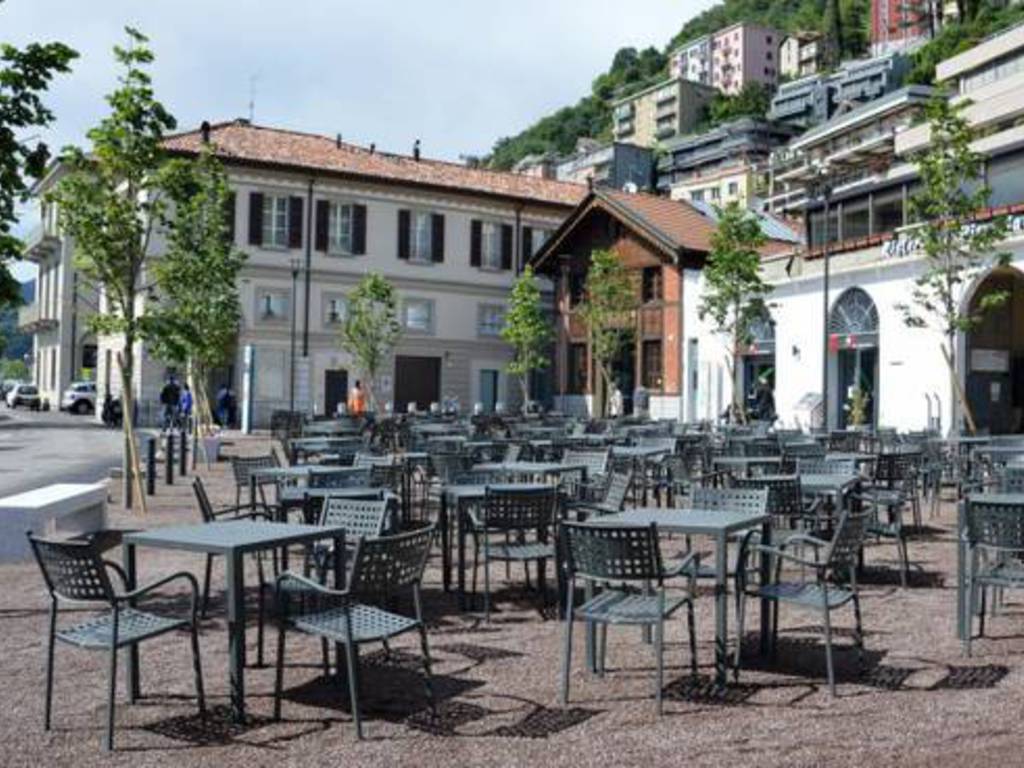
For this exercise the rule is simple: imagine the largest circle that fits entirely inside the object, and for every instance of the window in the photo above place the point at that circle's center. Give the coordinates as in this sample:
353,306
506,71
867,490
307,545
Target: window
490,319
272,305
537,239
490,245
651,284
577,369
420,236
715,193
339,228
697,195
651,372
275,221
418,315
734,188
888,213
335,310
577,283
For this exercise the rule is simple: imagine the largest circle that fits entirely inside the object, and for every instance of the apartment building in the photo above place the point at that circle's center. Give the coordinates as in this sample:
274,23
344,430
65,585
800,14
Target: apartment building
662,111
725,164
742,54
801,54
901,25
692,61
314,215
616,165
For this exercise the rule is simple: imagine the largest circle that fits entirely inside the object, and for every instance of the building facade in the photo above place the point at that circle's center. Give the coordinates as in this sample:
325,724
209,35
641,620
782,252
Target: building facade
662,111
901,25
692,61
742,54
800,55
617,166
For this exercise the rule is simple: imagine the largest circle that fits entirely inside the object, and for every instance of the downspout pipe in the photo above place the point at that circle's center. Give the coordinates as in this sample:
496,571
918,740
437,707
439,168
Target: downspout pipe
309,265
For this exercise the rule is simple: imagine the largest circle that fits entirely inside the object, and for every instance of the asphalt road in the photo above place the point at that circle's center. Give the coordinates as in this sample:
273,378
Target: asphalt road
42,448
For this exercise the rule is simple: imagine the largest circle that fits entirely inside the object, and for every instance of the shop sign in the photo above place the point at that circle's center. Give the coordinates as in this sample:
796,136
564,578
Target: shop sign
908,244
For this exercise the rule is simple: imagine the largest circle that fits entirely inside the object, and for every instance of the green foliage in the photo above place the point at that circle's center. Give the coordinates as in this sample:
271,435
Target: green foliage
13,369
610,298
25,74
956,253
734,291
527,329
752,101
957,38
371,328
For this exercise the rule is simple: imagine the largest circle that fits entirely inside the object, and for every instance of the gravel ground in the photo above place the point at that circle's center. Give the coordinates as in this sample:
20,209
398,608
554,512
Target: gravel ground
919,702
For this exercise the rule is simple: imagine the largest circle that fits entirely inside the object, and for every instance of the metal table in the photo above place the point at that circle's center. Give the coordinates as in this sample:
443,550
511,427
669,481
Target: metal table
232,539
718,525
746,463
531,468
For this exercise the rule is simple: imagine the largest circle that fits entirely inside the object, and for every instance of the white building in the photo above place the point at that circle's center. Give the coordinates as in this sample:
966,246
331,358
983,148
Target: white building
692,61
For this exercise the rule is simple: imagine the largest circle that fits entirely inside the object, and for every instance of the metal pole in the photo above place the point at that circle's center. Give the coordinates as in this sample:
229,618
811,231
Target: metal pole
151,466
824,315
169,459
291,367
183,467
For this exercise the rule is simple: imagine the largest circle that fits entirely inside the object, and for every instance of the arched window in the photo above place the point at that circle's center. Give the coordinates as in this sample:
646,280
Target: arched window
855,315
761,335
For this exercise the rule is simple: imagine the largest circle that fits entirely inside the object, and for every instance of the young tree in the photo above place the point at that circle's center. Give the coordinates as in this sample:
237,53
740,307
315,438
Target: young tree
196,323
734,291
109,203
24,75
528,330
606,310
955,250
371,329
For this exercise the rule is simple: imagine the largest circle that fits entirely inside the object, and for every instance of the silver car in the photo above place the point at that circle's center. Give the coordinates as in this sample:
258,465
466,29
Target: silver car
80,397
24,394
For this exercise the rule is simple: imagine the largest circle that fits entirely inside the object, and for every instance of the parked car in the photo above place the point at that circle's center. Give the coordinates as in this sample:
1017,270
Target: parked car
8,385
80,397
24,394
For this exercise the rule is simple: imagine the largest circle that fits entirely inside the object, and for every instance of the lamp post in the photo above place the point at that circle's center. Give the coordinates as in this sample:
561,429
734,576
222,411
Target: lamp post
295,263
822,189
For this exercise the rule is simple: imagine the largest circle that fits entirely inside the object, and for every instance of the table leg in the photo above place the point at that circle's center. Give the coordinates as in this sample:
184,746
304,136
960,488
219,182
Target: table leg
962,620
461,535
132,659
236,633
252,492
721,610
446,553
766,605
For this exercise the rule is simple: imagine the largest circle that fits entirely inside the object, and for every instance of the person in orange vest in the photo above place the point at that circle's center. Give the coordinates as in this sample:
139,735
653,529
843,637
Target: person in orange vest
356,400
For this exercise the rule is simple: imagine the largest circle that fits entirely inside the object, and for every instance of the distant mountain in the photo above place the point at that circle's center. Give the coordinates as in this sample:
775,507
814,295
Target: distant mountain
16,345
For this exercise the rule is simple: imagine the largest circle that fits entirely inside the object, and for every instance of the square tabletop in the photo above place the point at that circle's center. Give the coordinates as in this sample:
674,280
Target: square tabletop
465,492
830,484
637,451
693,521
742,461
528,467
226,537
1014,499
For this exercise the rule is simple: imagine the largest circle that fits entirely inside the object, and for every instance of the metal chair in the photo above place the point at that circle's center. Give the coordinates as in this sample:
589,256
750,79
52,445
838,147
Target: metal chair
382,570
613,500
785,501
242,468
893,486
75,572
826,467
629,557
524,518
834,564
342,478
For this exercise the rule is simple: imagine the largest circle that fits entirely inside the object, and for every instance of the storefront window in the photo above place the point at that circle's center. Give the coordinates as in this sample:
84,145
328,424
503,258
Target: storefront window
855,219
888,211
577,369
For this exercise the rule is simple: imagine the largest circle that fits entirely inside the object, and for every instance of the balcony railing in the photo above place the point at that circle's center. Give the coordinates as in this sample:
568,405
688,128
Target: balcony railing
41,241
31,319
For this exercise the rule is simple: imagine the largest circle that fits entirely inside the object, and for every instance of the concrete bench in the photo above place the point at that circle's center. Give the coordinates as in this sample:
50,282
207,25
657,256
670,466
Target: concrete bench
62,509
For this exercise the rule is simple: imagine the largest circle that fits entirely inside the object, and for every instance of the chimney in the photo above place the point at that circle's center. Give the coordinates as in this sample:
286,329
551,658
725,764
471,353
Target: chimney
373,147
416,150
204,131
337,140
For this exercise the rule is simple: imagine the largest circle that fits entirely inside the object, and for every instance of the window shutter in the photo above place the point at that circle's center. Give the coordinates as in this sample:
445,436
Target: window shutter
506,246
404,223
255,218
294,222
229,218
358,229
322,216
527,245
437,237
475,242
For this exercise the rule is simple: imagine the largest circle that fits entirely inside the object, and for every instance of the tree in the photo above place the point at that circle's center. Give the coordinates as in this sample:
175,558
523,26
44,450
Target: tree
833,30
528,330
196,323
955,250
606,309
734,291
24,75
371,329
753,100
109,203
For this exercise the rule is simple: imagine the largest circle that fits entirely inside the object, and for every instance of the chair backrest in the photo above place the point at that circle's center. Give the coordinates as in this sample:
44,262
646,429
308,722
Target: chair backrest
752,501
667,444
784,495
346,478
363,460
848,540
205,507
612,553
1012,480
596,462
73,570
519,509
616,491
826,467
242,466
444,466
360,519
996,525
804,451
387,564
480,477
897,468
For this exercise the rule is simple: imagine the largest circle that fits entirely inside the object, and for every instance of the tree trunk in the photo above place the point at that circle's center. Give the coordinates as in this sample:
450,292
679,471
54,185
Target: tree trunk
524,382
132,476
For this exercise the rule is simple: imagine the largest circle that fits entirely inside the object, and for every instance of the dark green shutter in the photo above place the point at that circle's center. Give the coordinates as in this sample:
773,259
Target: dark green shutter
506,246
255,218
404,223
294,222
475,242
358,229
437,238
323,213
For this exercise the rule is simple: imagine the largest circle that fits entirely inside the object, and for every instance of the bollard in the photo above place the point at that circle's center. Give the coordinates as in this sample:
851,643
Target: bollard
151,467
183,468
169,458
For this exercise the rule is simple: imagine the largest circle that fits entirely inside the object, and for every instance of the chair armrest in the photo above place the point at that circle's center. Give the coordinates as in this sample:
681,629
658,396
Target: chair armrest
781,554
119,571
310,584
804,538
154,585
692,560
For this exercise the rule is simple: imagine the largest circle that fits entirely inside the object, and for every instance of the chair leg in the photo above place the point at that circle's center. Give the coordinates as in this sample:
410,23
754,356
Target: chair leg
487,583
326,653
828,650
602,649
858,632
197,670
352,663
50,651
567,648
428,679
279,668
206,586
981,612
261,618
659,647
901,548
691,623
741,614
112,693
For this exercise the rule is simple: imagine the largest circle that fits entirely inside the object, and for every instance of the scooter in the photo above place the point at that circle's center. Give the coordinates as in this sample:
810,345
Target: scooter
112,413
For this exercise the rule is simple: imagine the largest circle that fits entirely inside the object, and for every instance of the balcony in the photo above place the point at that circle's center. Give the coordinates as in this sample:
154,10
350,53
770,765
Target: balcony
30,320
41,243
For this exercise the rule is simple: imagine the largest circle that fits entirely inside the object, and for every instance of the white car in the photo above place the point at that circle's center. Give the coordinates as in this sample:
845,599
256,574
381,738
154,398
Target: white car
80,397
24,394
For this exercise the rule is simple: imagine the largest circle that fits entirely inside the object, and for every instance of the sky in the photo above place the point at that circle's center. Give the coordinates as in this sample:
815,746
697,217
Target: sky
457,74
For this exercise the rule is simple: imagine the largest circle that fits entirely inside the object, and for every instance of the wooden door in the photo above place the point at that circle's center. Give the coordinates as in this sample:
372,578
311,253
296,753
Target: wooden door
417,380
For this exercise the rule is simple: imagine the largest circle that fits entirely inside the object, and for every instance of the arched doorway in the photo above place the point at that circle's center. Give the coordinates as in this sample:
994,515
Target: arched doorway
853,360
758,361
994,370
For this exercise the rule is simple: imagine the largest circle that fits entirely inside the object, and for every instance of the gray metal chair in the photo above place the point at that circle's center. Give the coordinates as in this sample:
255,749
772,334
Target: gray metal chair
75,572
995,548
613,500
826,467
342,478
893,487
630,558
786,503
595,464
383,569
242,468
834,565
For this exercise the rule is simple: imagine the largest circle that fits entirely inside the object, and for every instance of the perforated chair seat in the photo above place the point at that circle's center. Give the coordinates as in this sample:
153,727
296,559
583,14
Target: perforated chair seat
132,627
369,624
616,607
806,594
1006,574
532,550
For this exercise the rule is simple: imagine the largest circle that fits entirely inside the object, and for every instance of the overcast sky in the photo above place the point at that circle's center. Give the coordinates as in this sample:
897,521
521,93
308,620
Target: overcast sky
458,74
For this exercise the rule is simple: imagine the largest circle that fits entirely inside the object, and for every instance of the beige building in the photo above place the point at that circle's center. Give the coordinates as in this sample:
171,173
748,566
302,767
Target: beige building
737,183
800,55
662,111
314,215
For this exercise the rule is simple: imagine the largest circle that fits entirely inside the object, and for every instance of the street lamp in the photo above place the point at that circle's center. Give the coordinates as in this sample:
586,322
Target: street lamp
295,264
821,188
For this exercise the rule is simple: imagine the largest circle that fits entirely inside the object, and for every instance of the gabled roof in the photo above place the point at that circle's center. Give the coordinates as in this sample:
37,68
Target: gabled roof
241,142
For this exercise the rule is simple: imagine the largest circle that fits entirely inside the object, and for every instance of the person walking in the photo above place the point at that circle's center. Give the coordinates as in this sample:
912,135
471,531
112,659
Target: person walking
170,396
356,400
185,407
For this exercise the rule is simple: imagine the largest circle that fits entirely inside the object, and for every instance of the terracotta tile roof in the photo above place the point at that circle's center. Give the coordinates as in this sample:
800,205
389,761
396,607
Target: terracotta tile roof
680,225
243,142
